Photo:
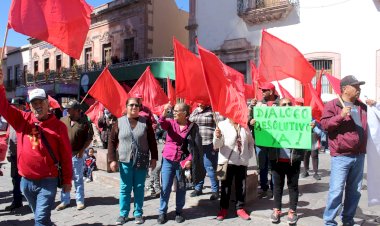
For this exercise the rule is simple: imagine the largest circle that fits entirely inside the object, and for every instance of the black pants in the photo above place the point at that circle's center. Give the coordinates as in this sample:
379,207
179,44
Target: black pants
314,160
292,172
16,179
239,173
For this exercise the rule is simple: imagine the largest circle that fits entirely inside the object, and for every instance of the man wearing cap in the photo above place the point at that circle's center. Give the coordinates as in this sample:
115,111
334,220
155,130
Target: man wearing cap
19,103
80,134
345,120
36,167
270,98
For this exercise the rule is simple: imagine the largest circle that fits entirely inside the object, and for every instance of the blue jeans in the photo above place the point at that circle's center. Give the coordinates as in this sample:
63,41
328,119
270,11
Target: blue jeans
346,176
131,178
263,163
169,170
40,195
78,182
210,160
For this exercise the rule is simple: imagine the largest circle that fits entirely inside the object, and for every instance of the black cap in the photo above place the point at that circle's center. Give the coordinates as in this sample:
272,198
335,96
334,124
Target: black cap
18,101
73,104
350,80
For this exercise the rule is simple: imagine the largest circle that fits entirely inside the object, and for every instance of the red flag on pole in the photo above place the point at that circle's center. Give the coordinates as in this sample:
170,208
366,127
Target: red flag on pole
64,24
95,112
255,81
285,93
318,86
313,100
53,103
334,82
153,95
190,84
110,93
224,95
171,92
280,60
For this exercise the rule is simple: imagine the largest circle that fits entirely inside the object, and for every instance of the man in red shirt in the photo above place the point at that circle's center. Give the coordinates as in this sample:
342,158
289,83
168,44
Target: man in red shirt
35,164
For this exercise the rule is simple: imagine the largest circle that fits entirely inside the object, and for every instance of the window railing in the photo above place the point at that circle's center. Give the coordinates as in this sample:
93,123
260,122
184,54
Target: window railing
244,6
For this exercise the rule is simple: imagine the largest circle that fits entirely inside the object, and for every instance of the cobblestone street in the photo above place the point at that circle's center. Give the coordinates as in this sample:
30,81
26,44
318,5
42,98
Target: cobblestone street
102,206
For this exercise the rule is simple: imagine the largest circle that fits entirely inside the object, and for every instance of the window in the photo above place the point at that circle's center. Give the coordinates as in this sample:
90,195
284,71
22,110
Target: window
46,64
106,53
87,57
24,73
72,62
129,49
326,66
9,73
36,67
58,62
17,74
240,67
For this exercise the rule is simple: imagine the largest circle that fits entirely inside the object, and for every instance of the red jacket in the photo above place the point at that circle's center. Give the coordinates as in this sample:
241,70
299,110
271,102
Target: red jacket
342,133
33,158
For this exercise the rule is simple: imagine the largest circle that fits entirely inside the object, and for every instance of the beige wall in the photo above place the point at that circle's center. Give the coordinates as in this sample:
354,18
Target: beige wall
168,21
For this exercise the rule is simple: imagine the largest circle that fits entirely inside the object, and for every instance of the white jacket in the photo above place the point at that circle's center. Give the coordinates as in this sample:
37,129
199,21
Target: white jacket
226,143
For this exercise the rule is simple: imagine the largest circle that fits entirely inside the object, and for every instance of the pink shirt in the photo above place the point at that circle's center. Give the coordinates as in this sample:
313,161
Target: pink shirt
174,138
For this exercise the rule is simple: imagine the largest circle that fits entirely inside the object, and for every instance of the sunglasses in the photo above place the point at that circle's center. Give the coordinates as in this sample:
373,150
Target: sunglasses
134,105
286,104
265,90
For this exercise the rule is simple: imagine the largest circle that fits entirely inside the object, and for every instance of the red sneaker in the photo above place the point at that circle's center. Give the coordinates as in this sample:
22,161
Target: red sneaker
222,214
242,214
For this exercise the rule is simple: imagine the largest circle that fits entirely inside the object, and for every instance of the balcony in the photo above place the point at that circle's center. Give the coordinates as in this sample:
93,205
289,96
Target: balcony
255,12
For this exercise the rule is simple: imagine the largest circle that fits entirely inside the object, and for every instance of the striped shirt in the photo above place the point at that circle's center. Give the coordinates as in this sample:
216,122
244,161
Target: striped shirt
206,123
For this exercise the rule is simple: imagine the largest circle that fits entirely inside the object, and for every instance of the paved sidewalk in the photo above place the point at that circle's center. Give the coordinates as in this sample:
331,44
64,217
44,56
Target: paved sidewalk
103,209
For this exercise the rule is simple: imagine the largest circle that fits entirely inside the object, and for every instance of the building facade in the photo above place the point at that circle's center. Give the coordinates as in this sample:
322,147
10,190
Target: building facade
121,31
332,34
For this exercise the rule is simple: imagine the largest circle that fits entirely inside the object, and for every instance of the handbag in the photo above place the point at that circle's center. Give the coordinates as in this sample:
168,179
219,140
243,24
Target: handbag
140,160
221,169
56,162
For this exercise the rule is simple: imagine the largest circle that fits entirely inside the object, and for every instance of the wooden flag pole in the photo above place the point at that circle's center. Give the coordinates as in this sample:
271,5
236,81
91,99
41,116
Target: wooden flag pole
341,101
3,49
84,98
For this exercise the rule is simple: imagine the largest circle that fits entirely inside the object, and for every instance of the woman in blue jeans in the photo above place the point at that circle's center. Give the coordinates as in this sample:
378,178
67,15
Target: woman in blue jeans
129,130
182,135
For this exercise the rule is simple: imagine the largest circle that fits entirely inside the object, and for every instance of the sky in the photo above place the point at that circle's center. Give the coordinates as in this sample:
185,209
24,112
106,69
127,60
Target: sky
16,39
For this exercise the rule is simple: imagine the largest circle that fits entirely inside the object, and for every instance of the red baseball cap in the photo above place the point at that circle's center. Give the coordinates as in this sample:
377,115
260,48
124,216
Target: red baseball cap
267,85
138,95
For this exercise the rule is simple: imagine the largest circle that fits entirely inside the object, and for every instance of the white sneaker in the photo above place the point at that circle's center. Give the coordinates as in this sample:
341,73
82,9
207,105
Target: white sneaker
88,180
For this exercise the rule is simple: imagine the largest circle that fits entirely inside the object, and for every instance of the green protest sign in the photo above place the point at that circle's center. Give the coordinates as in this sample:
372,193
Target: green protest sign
283,127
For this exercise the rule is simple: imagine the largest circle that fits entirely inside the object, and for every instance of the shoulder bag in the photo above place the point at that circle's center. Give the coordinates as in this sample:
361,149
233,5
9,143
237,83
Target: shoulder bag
140,159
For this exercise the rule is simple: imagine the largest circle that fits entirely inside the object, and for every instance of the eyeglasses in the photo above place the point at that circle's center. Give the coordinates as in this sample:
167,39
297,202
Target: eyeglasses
265,90
286,104
176,111
134,105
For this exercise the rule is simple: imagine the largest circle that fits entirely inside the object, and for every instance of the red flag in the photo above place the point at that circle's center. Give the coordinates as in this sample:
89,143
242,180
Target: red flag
280,60
95,112
110,93
224,95
285,93
64,24
235,77
248,91
153,95
255,82
190,84
313,100
334,82
53,103
318,86
171,92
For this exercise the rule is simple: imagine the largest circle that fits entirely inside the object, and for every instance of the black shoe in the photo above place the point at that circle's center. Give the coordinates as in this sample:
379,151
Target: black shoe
214,196
13,206
121,220
196,193
179,218
162,219
316,176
